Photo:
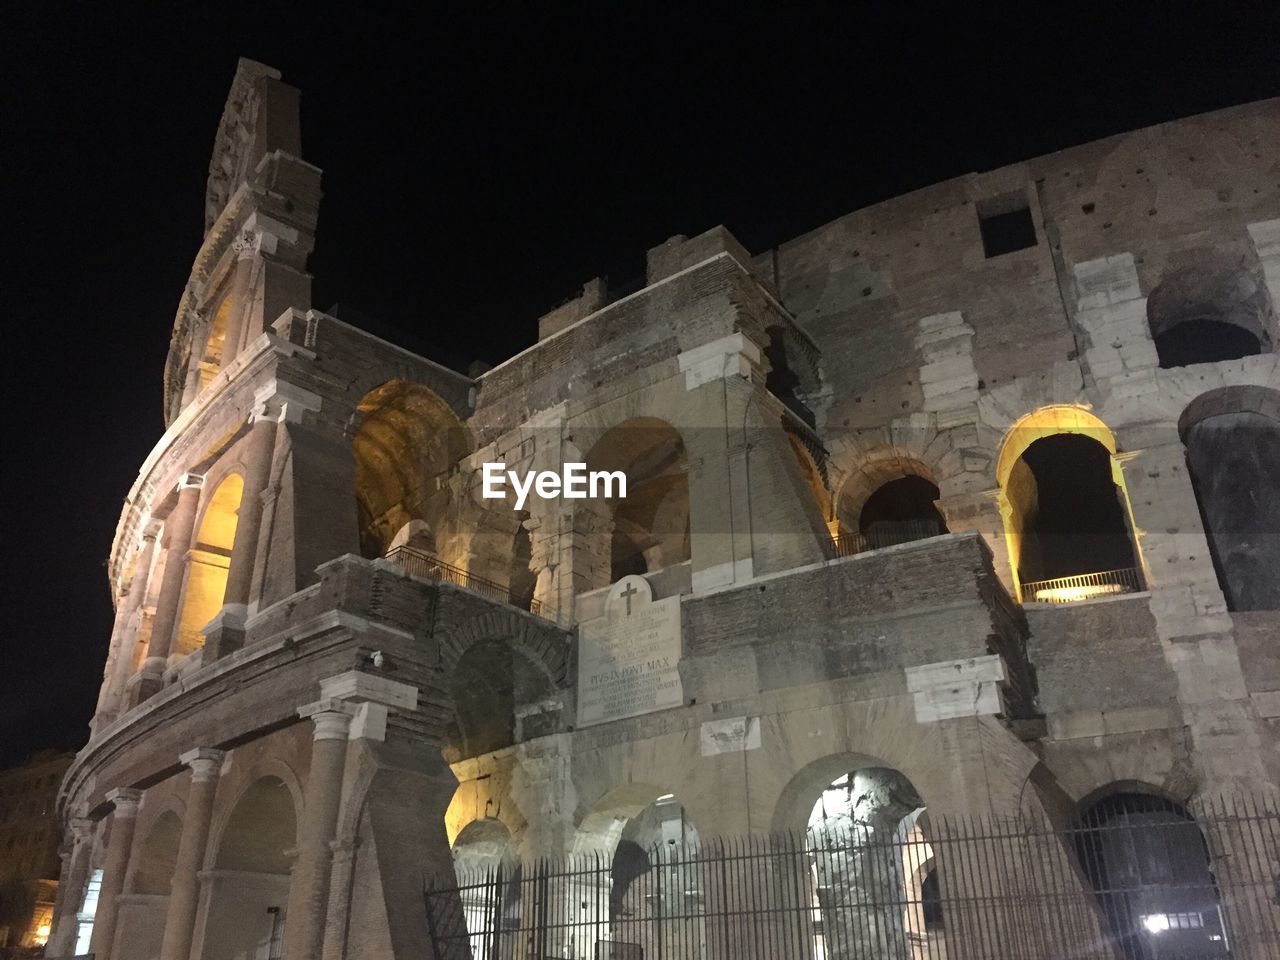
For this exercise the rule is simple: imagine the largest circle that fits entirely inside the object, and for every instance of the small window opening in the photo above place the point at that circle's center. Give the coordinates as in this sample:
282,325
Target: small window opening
1006,225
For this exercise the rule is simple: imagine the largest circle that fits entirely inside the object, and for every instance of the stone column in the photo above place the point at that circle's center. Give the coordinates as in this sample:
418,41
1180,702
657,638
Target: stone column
71,890
123,820
179,529
184,892
340,880
113,704
257,472
246,250
718,385
309,885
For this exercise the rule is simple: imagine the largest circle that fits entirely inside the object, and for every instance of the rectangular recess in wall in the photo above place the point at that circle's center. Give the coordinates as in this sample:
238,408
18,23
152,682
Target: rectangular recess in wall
1006,224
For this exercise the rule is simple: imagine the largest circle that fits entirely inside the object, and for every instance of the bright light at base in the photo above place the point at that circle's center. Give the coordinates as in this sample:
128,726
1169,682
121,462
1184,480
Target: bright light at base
1072,594
1156,922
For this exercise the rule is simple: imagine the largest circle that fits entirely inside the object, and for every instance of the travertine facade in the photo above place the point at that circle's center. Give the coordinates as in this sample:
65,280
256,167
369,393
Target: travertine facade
332,659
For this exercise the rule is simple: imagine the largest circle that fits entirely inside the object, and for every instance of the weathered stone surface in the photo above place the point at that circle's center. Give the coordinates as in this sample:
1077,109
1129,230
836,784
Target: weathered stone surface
787,388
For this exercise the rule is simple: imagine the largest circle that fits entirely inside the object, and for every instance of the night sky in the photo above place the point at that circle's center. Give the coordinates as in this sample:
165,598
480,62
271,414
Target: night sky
476,171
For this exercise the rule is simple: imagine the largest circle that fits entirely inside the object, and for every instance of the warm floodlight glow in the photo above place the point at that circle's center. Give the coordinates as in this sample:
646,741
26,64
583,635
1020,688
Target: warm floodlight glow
42,935
1072,594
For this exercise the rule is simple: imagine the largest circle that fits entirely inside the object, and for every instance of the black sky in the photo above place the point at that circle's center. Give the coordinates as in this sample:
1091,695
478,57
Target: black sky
478,167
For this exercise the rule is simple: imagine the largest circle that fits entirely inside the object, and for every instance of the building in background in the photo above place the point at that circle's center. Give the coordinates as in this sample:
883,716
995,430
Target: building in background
30,837
957,513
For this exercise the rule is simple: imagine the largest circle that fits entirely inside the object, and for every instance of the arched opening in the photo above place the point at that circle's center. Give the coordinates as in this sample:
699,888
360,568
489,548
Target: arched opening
417,535
489,875
888,500
406,449
157,856
501,695
869,865
523,582
210,560
900,511
652,892
1232,438
1208,314
1149,868
215,343
651,526
248,887
142,915
1065,510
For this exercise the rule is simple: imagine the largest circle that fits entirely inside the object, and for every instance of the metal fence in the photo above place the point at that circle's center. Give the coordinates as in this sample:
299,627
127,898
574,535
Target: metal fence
883,535
1128,884
420,563
1085,586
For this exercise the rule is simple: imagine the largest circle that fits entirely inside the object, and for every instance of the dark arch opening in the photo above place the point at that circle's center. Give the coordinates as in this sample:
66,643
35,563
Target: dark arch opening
1203,340
900,511
1233,458
1208,313
1068,509
1149,868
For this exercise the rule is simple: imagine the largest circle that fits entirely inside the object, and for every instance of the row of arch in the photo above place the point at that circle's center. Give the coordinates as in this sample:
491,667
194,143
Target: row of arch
1062,495
871,873
1062,491
246,883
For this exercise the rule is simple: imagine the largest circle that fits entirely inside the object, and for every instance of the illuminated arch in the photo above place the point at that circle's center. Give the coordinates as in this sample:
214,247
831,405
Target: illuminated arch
1019,505
210,561
639,830
407,443
215,345
651,526
1047,422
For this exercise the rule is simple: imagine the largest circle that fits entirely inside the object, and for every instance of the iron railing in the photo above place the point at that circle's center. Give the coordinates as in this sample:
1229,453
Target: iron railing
1140,885
883,535
420,563
1085,586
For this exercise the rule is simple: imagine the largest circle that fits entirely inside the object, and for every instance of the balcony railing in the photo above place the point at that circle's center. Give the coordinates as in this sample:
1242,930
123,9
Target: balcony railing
419,563
886,535
1085,586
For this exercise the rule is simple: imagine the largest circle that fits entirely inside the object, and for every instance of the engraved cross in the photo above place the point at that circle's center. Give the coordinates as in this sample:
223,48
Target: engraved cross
630,592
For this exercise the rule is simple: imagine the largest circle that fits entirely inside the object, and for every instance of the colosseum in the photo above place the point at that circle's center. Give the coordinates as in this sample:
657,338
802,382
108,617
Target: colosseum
940,619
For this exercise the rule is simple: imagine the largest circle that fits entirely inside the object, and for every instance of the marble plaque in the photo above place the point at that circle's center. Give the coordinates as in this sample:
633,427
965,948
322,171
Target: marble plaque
628,658
735,735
